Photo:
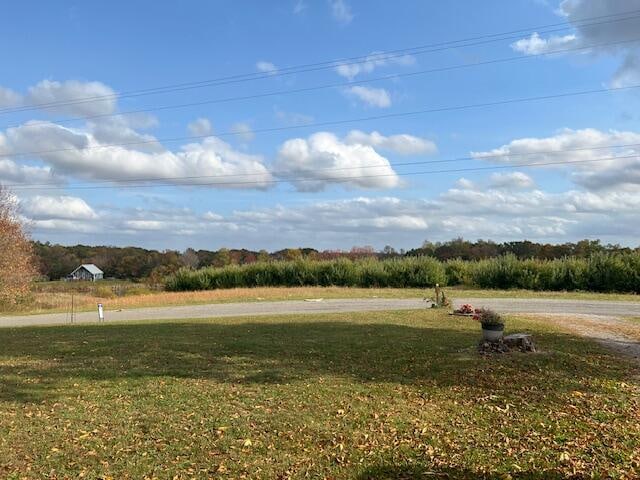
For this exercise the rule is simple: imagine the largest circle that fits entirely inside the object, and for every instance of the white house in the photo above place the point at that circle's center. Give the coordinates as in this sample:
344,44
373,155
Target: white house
86,272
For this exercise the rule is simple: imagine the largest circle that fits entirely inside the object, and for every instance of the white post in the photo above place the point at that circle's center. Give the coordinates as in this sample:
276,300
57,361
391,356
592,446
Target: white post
100,313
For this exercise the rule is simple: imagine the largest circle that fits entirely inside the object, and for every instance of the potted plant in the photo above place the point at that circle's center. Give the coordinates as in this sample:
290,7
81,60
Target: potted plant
492,324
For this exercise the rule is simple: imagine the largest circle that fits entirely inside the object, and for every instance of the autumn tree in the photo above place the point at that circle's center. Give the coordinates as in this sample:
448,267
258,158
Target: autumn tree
17,263
190,258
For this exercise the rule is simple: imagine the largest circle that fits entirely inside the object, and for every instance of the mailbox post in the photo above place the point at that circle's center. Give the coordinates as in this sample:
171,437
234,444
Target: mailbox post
100,313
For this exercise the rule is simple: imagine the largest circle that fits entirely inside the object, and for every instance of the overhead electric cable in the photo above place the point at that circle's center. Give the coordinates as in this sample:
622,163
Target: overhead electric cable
330,122
617,17
346,179
118,182
37,123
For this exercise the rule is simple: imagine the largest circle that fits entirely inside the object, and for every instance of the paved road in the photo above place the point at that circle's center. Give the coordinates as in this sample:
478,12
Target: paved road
503,305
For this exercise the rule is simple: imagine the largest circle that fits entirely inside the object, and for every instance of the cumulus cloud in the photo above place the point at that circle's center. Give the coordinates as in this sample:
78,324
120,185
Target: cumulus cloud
536,45
9,98
341,11
73,97
12,172
57,208
371,62
200,127
512,180
628,73
373,97
465,209
323,158
603,33
402,144
266,67
243,131
117,130
579,146
80,153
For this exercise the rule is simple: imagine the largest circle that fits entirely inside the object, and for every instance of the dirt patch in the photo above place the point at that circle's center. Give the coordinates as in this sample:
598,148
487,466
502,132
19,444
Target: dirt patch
618,334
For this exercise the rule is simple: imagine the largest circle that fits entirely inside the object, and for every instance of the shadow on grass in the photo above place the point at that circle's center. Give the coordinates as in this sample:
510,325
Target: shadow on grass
384,472
41,363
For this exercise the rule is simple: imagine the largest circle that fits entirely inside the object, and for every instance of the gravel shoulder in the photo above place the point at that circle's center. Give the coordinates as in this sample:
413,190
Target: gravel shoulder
618,334
503,305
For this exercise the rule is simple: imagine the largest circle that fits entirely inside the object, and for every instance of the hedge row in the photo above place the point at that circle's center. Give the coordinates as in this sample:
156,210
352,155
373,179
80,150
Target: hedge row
602,272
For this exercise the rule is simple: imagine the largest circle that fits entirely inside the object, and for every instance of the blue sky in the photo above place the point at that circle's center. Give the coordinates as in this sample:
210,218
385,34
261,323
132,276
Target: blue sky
71,51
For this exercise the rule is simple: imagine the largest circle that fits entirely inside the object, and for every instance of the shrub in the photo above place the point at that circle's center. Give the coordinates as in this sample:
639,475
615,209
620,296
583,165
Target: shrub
602,272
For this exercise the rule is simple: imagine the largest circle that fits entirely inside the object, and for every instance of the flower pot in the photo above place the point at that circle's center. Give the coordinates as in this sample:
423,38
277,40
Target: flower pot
492,332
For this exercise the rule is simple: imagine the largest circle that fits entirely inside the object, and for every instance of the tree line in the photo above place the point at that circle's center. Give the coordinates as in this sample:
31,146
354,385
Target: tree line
134,263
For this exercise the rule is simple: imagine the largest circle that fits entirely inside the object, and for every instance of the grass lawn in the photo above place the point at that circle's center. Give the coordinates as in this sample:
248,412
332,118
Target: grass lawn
56,296
341,396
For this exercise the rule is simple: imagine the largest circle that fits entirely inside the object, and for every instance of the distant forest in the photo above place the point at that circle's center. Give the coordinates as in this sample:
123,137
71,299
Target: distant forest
56,261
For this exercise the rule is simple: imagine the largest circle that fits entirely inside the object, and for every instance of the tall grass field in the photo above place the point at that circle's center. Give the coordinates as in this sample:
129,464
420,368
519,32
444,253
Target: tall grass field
602,272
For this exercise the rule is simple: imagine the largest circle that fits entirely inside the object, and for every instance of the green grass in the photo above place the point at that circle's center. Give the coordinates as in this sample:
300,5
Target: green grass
355,396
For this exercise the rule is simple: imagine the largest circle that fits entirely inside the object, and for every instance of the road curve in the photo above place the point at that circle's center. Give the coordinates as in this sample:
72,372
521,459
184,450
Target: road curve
502,305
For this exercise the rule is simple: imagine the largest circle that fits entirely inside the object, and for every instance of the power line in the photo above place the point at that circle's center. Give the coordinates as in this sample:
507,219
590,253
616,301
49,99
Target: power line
358,177
326,64
321,87
333,122
276,173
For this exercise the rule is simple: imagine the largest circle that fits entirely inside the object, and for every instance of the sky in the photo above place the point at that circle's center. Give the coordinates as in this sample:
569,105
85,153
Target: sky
321,123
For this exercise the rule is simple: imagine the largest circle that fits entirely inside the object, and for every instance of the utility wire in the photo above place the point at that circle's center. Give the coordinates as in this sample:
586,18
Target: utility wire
326,64
321,87
276,173
349,179
331,122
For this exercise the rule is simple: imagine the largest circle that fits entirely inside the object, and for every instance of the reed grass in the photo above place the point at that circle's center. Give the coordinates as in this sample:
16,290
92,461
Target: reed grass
602,272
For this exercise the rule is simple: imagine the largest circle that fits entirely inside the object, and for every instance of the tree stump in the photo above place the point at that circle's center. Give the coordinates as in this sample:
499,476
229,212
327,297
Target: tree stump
521,341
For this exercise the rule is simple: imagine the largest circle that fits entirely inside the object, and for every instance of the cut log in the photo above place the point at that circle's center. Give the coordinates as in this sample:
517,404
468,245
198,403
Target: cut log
521,341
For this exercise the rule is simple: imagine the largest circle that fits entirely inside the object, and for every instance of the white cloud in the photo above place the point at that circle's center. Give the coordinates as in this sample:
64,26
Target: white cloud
243,131
512,180
266,67
374,97
117,130
9,98
341,11
615,37
153,225
212,217
58,207
629,71
82,98
579,146
465,183
72,227
12,172
323,158
536,45
373,61
200,127
402,144
80,154
465,210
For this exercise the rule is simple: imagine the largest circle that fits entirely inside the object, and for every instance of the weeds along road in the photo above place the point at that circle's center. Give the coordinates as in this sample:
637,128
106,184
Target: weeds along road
502,305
